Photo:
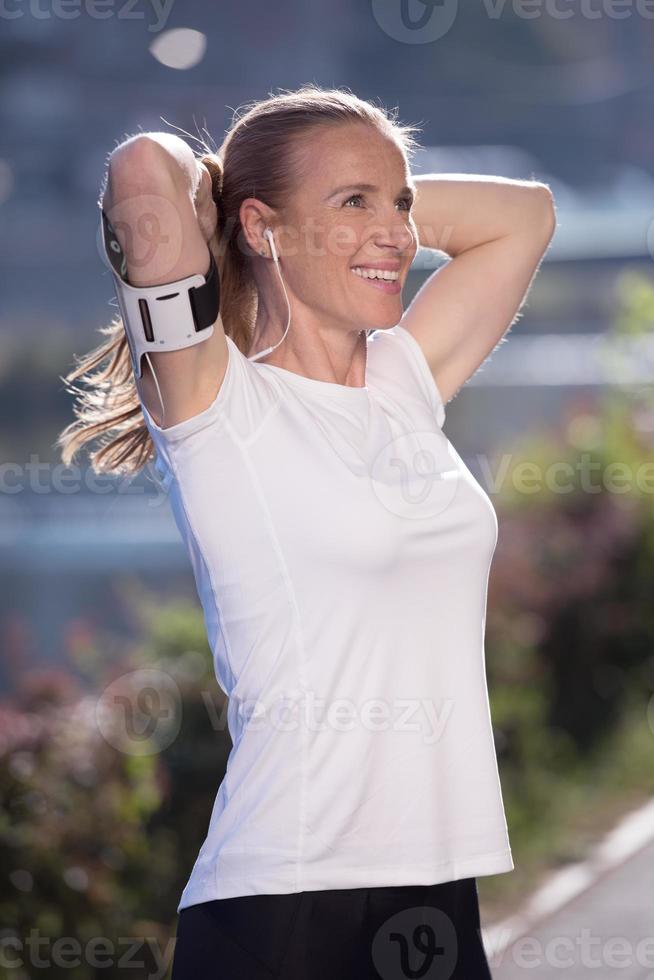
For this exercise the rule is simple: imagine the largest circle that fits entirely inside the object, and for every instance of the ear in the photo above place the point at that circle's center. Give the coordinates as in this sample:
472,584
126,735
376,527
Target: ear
255,217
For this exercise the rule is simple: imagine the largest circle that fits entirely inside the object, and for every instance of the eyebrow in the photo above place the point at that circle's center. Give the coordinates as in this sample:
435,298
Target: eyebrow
368,187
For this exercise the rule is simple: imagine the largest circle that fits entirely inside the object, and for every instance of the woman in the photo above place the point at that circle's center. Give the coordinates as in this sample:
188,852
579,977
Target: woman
340,546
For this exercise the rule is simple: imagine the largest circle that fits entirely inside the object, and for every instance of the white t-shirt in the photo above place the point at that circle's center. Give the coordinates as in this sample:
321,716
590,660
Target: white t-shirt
341,550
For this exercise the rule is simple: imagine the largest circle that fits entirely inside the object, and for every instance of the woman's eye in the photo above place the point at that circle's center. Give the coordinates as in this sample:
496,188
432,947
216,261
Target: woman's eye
406,201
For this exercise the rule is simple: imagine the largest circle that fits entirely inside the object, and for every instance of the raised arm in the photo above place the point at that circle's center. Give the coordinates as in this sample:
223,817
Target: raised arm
158,199
496,231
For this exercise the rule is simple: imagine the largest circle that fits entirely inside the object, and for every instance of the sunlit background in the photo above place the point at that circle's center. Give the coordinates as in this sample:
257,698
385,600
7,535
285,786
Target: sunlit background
98,831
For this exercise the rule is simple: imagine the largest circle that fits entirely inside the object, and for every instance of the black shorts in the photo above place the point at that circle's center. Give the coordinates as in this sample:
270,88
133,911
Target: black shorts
427,931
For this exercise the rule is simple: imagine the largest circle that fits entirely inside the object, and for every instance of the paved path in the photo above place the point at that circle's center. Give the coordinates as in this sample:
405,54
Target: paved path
605,931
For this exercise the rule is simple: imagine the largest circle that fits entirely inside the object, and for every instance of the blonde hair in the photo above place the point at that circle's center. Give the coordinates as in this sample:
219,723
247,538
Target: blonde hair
261,156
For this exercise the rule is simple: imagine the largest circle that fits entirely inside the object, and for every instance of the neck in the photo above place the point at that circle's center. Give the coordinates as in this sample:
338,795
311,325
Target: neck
337,356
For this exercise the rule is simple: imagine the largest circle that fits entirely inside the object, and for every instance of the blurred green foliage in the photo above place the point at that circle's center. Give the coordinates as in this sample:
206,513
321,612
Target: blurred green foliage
570,625
99,824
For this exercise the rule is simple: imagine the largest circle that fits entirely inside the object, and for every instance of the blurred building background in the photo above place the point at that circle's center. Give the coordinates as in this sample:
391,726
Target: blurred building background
560,95
563,100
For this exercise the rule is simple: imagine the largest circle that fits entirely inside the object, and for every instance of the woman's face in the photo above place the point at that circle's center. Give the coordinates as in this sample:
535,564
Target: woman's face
351,209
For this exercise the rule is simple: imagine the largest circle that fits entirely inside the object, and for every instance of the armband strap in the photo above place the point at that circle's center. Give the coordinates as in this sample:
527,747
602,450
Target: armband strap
169,316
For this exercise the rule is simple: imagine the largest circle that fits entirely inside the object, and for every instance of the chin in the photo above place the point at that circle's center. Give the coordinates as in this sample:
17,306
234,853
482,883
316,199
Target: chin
385,323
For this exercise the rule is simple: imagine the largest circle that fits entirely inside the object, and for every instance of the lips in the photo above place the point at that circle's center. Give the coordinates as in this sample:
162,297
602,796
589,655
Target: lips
385,285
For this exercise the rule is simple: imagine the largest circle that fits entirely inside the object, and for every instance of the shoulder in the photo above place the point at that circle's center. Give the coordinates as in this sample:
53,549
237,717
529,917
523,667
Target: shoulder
243,401
397,363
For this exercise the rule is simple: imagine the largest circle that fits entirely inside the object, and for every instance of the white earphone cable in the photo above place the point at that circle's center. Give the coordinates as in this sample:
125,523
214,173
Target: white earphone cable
268,350
268,234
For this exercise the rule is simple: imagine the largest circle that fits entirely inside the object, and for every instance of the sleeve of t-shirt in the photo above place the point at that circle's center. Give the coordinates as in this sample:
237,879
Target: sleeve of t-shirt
398,364
242,403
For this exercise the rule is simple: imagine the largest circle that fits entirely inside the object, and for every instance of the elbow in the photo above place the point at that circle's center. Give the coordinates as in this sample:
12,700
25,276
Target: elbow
137,155
138,166
545,209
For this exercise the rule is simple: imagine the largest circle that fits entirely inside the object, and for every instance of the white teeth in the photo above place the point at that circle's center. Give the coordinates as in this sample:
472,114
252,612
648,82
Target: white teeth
375,273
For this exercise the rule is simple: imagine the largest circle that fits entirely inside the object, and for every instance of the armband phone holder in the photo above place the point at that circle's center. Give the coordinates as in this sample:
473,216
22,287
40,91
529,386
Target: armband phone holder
167,317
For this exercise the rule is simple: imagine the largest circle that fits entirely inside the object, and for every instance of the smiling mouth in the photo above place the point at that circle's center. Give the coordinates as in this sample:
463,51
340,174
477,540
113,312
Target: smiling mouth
383,279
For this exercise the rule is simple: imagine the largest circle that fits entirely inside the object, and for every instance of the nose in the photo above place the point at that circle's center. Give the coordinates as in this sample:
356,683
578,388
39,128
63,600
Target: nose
396,234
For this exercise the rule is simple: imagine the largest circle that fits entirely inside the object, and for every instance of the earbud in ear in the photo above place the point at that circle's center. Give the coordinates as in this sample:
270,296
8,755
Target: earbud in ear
269,235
